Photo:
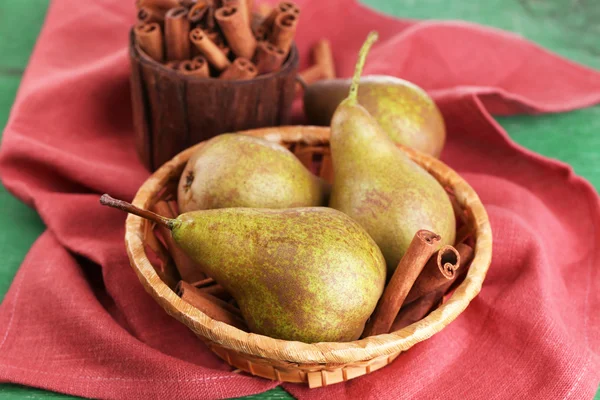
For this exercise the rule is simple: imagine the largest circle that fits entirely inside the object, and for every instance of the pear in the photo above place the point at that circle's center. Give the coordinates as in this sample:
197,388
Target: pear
309,274
403,110
377,184
234,170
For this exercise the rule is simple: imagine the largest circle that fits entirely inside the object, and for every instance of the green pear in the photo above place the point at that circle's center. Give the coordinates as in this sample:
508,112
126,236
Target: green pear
234,170
403,110
308,274
376,183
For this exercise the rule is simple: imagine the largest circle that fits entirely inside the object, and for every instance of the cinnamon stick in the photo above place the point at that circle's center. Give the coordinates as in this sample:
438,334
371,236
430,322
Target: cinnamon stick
165,268
323,56
283,7
312,74
209,286
241,68
284,29
250,8
177,28
264,9
214,36
208,305
198,11
226,50
439,270
209,49
419,251
194,68
217,291
237,31
188,269
149,14
464,232
149,38
326,171
166,4
203,283
416,310
268,57
204,290
174,65
241,6
261,34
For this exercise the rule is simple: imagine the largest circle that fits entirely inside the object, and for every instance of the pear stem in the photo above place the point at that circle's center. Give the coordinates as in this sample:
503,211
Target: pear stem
362,56
106,200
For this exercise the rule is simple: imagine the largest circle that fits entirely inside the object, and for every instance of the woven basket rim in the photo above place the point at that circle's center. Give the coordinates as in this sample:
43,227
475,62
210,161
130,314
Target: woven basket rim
299,352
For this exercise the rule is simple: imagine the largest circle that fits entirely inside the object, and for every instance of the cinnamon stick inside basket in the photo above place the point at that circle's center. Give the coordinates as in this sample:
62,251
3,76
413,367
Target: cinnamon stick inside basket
177,28
209,305
439,270
268,57
209,286
419,251
417,309
284,29
237,31
241,68
149,38
209,49
188,269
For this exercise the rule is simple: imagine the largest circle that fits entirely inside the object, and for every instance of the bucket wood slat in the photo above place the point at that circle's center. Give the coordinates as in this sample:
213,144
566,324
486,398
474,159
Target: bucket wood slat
317,364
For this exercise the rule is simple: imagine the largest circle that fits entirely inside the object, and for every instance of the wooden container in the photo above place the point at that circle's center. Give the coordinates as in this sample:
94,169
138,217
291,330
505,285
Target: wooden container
172,112
317,364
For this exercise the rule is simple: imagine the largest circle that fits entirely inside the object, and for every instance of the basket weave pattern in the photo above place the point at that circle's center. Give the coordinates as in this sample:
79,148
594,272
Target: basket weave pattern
317,364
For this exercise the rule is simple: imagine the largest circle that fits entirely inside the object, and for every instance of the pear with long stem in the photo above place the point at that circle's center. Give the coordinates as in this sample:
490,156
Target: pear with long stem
377,184
308,274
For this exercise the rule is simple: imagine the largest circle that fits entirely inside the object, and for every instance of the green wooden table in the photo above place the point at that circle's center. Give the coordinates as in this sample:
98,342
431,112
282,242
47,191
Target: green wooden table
568,28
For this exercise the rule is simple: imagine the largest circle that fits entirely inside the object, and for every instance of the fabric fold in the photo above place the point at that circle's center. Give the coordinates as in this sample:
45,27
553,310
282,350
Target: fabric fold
76,319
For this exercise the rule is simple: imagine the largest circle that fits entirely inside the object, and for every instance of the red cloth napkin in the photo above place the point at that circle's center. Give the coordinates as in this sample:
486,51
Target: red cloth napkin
76,319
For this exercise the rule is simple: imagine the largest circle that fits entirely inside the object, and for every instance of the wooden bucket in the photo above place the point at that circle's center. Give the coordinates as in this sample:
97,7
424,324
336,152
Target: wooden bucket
172,111
316,364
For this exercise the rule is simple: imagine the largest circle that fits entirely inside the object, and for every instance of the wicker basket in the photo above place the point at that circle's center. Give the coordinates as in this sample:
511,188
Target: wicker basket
317,364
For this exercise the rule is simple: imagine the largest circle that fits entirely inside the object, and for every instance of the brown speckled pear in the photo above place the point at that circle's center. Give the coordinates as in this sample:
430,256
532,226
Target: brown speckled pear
234,170
403,110
307,274
377,185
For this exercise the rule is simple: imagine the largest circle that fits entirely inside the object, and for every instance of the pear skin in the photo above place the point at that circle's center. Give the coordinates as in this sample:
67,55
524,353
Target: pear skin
403,110
308,274
377,184
234,170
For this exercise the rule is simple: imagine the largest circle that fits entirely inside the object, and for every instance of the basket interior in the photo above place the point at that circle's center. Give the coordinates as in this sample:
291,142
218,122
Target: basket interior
315,155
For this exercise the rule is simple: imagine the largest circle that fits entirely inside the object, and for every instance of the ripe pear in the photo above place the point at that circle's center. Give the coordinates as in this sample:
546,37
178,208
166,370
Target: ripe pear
377,184
403,110
234,170
309,274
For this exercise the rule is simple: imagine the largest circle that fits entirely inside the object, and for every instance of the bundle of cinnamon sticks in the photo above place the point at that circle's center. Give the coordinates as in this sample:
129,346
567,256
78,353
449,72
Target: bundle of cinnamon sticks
222,39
